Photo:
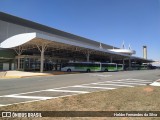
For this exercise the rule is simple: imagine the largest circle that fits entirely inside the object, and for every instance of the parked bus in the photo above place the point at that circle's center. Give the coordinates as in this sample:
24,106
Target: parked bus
108,67
135,66
144,66
120,67
81,66
88,66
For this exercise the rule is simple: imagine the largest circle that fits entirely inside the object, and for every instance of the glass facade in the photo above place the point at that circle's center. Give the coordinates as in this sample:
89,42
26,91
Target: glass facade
1,66
30,63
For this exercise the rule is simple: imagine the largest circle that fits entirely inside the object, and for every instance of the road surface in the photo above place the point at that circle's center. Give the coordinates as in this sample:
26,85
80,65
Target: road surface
22,90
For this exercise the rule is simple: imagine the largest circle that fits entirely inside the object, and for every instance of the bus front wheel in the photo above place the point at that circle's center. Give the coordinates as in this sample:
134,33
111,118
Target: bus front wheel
106,70
88,70
68,70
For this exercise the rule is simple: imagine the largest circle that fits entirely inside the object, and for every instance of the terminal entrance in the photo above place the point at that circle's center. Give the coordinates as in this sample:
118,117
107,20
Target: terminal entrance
32,63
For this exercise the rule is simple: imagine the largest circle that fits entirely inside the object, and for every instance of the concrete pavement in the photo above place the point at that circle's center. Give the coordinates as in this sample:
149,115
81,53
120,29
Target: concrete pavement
20,74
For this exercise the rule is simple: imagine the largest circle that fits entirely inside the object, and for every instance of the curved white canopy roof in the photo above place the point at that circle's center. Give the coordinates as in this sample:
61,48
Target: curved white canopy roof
23,38
124,51
17,40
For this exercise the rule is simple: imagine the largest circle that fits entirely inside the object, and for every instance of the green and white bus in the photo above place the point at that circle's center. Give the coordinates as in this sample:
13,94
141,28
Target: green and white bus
144,66
88,67
81,66
108,67
120,67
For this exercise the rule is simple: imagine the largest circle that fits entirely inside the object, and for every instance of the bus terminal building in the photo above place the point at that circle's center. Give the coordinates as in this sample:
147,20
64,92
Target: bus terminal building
30,46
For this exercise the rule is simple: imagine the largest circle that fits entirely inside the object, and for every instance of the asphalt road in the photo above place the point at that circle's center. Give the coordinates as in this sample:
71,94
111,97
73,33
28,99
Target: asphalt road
20,85
47,87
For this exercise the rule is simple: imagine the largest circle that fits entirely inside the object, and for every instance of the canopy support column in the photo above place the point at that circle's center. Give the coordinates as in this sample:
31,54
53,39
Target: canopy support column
88,53
19,51
129,63
42,48
111,59
42,60
123,62
88,56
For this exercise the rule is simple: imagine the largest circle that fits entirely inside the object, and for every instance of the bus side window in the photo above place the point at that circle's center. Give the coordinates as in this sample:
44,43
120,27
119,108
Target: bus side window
64,65
71,65
77,65
96,65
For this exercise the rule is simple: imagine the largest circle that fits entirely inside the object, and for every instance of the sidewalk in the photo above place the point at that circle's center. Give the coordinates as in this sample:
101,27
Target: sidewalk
21,74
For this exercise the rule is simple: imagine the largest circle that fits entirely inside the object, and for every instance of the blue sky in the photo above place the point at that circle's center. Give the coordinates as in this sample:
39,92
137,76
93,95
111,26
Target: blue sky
137,22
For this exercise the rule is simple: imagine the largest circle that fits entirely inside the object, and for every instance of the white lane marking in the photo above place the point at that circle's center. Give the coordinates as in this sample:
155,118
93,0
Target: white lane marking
30,101
155,84
137,80
93,87
102,82
38,91
65,87
29,97
61,88
24,93
129,81
134,82
112,84
100,75
67,91
88,84
126,83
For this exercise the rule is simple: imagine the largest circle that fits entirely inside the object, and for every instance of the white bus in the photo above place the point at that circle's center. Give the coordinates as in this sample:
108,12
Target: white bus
108,67
88,66
81,66
144,66
120,67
